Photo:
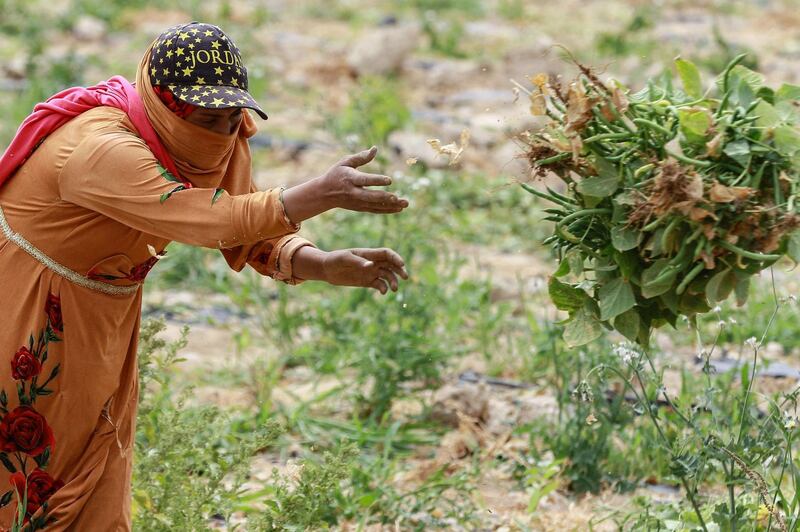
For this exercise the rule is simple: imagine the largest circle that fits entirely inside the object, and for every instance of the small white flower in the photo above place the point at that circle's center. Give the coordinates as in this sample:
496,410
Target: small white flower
789,421
717,309
752,342
626,352
732,321
722,324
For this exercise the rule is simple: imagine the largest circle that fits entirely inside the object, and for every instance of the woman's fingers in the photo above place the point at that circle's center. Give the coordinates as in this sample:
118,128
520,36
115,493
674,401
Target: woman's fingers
382,255
377,198
390,277
361,179
379,285
359,159
396,269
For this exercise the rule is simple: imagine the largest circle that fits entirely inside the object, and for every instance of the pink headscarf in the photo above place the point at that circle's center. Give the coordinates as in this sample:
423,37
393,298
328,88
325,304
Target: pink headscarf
59,109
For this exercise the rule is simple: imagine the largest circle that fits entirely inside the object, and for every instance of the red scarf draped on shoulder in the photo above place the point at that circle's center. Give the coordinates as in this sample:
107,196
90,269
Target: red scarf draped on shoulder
59,109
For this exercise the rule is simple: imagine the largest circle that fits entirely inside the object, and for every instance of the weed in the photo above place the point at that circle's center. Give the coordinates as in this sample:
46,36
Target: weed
188,464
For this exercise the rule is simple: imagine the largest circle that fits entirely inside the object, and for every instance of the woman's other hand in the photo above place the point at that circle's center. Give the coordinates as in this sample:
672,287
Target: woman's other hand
344,187
379,268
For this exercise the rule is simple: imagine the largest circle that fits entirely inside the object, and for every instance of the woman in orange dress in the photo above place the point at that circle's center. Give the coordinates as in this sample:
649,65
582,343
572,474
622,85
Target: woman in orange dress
87,213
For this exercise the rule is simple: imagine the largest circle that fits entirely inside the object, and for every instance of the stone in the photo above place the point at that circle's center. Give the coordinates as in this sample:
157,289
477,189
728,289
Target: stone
89,28
383,50
469,399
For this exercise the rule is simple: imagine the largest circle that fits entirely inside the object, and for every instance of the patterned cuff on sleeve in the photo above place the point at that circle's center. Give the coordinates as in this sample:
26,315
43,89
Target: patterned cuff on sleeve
284,255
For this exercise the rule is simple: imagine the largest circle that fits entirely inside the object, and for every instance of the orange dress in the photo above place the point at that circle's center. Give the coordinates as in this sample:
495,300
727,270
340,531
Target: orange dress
79,224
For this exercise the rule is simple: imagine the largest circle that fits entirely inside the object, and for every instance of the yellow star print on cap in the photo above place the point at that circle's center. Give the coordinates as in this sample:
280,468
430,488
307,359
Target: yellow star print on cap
190,58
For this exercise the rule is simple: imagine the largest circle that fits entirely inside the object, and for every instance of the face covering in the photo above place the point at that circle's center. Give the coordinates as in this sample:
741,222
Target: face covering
205,158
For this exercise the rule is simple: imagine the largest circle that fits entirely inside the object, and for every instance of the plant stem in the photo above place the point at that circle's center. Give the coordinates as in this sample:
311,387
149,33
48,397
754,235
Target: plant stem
762,257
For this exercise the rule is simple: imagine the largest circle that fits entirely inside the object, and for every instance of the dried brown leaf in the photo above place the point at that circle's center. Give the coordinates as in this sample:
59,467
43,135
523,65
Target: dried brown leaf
720,193
579,108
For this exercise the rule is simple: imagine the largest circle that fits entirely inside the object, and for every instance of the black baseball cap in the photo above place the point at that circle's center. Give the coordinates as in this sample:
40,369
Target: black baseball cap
202,66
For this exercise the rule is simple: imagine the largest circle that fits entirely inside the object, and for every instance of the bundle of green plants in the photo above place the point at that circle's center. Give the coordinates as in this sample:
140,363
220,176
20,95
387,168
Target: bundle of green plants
675,196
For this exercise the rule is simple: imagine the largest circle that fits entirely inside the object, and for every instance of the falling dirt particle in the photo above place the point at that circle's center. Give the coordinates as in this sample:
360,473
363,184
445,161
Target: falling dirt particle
411,161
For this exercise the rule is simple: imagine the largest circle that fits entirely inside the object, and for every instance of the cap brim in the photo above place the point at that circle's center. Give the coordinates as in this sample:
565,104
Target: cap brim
217,97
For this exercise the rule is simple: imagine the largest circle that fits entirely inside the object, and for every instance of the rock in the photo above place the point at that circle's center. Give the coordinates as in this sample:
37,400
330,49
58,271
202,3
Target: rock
774,350
383,50
490,31
469,399
439,73
503,416
482,97
15,68
89,28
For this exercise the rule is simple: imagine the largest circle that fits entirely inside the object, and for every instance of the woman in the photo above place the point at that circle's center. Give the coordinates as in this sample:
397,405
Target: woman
95,185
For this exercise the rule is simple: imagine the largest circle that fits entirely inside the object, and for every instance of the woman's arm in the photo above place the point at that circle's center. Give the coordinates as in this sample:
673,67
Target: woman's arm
115,174
344,187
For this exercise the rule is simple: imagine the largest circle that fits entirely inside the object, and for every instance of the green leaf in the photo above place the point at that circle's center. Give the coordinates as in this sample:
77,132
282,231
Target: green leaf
691,304
629,264
695,124
605,168
217,194
624,238
166,174
793,247
166,195
563,269
43,459
720,286
575,259
739,151
599,187
582,328
787,92
690,77
7,463
768,116
6,498
787,140
615,298
753,80
655,281
742,290
628,324
565,296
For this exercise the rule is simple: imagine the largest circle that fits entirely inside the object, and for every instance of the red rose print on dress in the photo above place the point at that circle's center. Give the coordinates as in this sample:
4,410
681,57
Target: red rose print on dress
40,487
25,430
25,365
26,439
53,310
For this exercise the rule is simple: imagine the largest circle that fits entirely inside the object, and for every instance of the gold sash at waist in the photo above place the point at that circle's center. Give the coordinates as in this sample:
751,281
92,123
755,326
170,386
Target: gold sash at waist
63,271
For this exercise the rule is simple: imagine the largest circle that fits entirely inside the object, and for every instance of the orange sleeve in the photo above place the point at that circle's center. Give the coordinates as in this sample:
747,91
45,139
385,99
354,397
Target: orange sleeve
272,257
115,174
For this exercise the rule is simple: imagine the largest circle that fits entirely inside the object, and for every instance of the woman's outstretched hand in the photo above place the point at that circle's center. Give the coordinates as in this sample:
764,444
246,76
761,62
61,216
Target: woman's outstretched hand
344,187
379,268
